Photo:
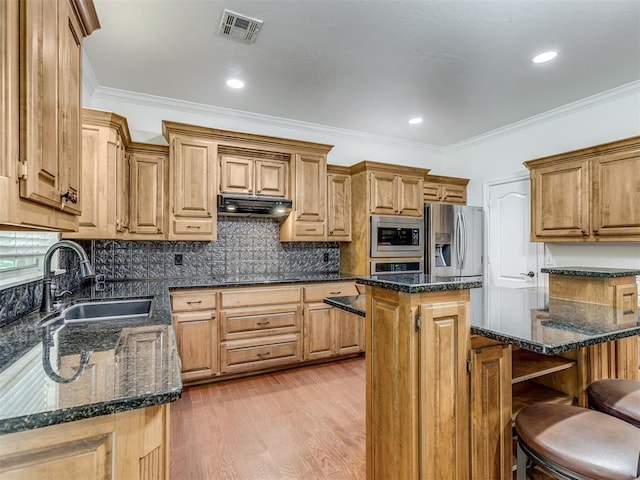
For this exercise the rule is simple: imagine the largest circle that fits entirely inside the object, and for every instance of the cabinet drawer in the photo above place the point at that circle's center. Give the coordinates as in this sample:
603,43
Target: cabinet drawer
247,297
309,229
193,226
193,300
252,322
251,354
317,293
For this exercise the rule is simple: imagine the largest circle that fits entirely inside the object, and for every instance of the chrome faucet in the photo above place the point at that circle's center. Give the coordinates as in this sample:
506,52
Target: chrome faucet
86,270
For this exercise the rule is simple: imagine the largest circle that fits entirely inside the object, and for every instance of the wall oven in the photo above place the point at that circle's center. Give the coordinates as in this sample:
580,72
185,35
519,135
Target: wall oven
396,236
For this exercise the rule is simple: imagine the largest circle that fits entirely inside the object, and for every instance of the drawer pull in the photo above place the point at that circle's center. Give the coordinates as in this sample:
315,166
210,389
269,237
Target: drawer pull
336,293
193,226
309,229
192,302
264,322
264,354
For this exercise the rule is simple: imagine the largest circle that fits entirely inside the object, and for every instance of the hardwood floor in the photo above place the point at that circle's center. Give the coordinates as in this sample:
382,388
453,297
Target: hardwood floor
304,424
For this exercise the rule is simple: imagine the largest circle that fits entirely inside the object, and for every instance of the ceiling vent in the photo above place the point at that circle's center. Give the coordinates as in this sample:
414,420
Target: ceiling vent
239,27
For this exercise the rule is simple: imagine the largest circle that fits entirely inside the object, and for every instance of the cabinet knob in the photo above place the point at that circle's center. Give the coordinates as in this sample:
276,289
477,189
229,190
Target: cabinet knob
595,232
583,232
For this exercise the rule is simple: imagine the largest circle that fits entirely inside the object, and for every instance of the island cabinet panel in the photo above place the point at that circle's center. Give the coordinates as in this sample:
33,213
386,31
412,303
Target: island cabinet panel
444,399
132,445
490,407
417,385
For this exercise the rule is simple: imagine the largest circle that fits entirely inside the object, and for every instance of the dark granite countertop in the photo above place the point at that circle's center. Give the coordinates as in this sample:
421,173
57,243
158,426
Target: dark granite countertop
36,361
419,283
592,272
113,380
525,317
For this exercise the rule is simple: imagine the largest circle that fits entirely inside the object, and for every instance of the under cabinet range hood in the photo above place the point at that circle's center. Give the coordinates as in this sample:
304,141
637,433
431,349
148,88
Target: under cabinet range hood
250,206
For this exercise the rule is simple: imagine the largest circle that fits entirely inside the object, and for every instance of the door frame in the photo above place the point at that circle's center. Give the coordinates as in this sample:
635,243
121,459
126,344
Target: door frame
541,279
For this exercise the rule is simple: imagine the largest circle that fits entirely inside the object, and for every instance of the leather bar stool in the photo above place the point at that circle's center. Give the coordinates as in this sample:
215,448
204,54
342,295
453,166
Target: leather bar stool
574,443
617,397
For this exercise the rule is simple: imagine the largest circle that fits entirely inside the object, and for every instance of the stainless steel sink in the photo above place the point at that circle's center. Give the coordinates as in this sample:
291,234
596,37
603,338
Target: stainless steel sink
104,310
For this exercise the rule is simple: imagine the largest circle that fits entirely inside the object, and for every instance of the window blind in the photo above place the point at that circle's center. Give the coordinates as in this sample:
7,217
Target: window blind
20,250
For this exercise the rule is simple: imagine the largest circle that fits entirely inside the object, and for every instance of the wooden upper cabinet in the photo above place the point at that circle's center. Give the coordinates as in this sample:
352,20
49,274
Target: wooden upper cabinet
591,194
148,167
438,188
392,194
339,206
249,176
41,115
616,194
560,196
105,137
272,178
192,188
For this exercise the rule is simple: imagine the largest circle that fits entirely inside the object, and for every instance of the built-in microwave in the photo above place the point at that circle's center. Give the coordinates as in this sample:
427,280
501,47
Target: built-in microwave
396,236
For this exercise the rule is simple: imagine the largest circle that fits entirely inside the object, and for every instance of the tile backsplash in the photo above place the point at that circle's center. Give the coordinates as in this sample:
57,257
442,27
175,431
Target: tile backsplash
245,246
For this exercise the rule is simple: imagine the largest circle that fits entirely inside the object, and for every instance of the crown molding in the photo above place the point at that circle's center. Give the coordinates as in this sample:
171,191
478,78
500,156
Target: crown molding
89,79
570,108
155,101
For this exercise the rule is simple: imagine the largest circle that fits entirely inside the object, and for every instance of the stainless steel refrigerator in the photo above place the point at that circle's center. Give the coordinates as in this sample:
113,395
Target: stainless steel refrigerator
453,240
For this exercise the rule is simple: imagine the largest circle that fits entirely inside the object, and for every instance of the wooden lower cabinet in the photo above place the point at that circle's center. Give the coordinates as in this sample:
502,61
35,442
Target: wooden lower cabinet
131,445
233,331
195,321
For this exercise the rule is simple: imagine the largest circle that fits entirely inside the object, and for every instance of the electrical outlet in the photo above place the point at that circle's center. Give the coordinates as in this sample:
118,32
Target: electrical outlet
325,257
177,259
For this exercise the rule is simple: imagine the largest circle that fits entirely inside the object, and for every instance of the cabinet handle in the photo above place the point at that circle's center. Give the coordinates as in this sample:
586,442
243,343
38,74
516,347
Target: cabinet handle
595,232
583,232
331,232
264,322
336,293
193,226
213,316
265,354
70,196
250,191
192,302
309,229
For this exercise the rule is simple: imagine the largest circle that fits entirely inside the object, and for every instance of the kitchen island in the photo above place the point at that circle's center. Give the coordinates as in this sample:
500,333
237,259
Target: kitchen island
448,368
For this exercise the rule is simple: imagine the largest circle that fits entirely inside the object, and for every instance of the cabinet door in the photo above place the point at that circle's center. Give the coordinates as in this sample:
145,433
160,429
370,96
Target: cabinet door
349,332
39,115
236,174
410,196
197,342
311,191
560,200
491,435
147,193
192,196
431,192
271,178
444,342
69,105
339,211
383,193
616,194
453,194
319,331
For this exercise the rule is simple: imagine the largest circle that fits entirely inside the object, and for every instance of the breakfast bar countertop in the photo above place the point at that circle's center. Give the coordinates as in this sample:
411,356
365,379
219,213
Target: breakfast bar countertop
527,318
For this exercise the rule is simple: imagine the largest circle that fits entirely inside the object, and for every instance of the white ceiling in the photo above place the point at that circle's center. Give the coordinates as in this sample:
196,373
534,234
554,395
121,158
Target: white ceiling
371,65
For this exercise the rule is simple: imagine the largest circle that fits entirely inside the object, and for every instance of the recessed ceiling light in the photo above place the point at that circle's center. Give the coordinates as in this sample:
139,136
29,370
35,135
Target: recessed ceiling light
235,83
415,120
544,57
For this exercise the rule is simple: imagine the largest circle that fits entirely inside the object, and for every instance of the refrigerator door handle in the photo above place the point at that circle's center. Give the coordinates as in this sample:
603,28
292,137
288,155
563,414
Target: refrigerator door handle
457,243
463,242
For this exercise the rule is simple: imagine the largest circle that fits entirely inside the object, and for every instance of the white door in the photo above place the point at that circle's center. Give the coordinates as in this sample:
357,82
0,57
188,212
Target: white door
513,261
